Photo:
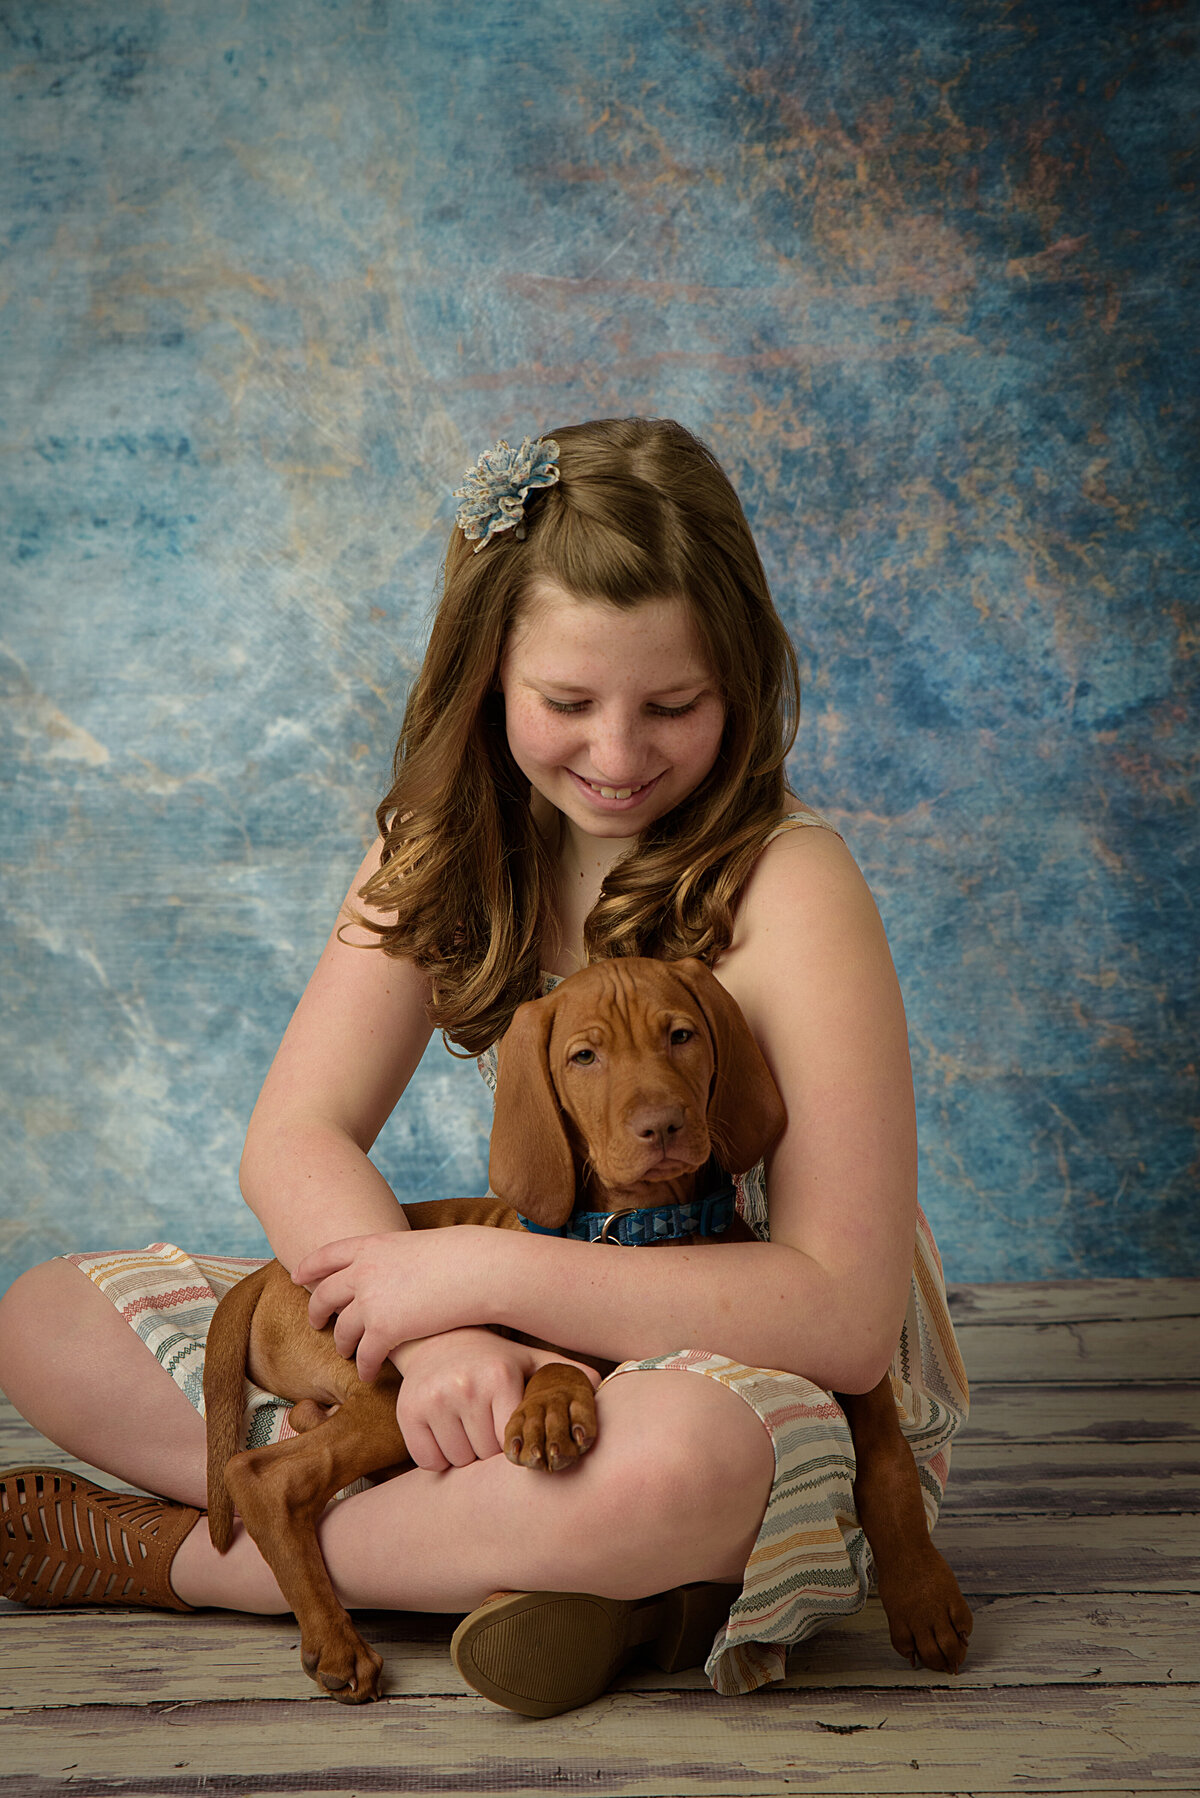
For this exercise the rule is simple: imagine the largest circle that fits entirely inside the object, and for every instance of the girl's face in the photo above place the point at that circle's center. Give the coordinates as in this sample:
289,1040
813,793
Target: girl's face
613,716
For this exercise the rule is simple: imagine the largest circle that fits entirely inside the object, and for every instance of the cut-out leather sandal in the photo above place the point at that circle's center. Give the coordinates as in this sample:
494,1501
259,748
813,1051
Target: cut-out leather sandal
541,1653
69,1542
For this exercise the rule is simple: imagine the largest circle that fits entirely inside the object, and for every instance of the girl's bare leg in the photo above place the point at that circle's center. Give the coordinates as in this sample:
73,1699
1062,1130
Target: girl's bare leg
73,1367
673,1492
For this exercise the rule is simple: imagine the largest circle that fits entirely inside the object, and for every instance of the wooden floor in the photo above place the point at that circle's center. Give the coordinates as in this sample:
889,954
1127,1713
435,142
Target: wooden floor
1071,1521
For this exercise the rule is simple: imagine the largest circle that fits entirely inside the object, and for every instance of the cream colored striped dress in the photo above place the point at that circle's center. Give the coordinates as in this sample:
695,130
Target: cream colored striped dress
810,1562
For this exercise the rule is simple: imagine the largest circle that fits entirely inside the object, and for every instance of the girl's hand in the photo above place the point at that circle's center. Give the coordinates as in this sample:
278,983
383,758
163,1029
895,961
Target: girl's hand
396,1287
459,1391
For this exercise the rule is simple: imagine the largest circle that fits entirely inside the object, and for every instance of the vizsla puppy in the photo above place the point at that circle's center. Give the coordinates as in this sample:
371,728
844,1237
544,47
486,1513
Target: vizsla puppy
621,1095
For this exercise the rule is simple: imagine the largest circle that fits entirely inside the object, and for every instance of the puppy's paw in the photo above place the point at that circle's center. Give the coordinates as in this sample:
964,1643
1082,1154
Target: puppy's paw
555,1423
929,1619
342,1665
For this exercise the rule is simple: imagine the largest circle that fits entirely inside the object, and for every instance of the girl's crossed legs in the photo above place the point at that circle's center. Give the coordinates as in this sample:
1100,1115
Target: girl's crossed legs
673,1492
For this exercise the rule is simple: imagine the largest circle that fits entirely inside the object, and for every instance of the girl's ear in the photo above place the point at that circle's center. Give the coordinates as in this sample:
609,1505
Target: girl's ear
745,1111
530,1165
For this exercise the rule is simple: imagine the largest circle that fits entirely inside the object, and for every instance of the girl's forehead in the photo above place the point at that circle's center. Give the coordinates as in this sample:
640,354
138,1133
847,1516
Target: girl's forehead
552,619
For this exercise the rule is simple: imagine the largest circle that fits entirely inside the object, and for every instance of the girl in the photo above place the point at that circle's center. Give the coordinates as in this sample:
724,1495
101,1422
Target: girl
591,764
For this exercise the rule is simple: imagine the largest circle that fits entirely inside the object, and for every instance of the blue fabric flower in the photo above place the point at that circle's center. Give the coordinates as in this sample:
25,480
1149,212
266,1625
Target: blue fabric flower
496,488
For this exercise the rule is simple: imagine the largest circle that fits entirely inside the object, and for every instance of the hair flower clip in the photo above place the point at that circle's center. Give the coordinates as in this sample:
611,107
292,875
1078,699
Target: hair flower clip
496,488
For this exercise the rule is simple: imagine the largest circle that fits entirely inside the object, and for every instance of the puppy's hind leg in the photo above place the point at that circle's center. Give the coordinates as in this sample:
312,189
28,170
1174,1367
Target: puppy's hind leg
928,1617
281,1491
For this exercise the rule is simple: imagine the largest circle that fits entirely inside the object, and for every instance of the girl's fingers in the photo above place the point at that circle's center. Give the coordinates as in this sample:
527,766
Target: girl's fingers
449,1443
421,1444
332,1294
464,1440
347,1333
503,1405
445,1441
370,1353
323,1261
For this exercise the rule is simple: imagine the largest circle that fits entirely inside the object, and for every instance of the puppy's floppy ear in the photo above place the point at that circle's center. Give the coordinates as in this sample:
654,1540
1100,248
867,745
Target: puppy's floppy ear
530,1165
745,1111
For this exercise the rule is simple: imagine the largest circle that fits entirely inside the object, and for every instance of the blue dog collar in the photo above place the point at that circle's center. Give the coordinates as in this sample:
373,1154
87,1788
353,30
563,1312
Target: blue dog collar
649,1224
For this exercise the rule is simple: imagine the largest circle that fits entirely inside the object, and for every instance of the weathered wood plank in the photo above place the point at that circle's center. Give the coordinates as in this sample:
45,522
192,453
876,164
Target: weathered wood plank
649,1744
1165,1348
1084,1478
1062,1413
1072,1301
995,1555
1139,1639
90,1657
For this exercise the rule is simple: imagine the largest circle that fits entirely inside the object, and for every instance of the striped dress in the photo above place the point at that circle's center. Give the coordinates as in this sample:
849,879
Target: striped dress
810,1563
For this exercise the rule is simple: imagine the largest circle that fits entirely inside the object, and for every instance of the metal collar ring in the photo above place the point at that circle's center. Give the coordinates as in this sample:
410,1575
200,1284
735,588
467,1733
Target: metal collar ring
612,1218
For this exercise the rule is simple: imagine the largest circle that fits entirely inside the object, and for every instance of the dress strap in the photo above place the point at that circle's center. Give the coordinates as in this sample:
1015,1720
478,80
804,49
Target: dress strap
799,821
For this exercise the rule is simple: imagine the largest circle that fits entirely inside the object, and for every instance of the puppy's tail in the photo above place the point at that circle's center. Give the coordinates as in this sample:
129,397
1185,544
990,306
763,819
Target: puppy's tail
225,1394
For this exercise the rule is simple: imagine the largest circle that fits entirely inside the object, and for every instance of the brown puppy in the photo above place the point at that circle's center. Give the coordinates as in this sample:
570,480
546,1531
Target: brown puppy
620,1091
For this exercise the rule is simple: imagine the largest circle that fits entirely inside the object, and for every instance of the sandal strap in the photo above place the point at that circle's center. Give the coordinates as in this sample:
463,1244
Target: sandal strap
67,1541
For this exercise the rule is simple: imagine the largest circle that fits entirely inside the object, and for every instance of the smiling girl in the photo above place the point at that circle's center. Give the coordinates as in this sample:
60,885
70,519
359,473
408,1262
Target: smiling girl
591,764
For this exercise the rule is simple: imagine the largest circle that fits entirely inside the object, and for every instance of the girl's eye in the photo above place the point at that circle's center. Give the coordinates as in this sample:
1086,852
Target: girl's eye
583,1057
682,1036
567,707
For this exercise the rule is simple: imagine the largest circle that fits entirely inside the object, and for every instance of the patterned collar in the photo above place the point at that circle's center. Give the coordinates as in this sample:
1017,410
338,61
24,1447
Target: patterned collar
710,1216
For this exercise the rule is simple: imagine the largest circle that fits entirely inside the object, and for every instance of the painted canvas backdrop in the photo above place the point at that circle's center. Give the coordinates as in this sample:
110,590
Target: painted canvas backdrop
273,275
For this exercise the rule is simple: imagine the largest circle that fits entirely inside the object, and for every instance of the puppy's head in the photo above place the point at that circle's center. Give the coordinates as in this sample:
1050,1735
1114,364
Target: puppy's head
641,1067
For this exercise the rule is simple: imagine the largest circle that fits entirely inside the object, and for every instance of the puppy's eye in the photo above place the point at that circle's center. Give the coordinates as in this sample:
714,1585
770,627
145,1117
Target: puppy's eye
682,1036
583,1057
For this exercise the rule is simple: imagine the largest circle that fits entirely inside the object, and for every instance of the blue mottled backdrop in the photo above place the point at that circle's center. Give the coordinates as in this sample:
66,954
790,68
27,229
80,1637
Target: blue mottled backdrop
920,273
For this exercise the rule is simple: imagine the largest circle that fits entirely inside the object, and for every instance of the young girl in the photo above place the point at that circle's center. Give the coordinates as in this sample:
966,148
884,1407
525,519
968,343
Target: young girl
591,764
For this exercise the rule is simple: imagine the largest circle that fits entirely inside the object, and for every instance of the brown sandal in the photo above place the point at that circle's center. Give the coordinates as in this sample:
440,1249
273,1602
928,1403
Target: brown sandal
69,1542
541,1653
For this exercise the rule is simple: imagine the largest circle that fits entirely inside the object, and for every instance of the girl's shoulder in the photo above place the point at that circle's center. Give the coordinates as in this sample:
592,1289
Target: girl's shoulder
805,904
802,851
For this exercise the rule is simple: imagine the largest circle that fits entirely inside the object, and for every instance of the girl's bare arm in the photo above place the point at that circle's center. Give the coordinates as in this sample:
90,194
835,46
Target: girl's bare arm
811,968
350,1050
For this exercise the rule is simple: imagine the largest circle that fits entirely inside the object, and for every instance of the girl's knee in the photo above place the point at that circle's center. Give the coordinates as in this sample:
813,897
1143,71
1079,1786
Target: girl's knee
720,1460
23,1319
42,1307
31,1292
47,1282
694,1460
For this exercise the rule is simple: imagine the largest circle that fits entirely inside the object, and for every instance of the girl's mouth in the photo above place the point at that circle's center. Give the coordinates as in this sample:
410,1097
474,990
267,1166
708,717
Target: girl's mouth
614,798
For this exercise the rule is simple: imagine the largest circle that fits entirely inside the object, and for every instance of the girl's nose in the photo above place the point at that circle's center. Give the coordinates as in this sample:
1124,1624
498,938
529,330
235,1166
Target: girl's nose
617,755
617,770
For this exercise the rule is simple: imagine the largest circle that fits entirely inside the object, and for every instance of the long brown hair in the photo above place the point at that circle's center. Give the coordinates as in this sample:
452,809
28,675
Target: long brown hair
642,510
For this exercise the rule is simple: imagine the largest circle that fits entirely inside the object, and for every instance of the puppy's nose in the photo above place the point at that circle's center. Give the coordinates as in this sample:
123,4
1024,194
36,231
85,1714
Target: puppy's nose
657,1124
